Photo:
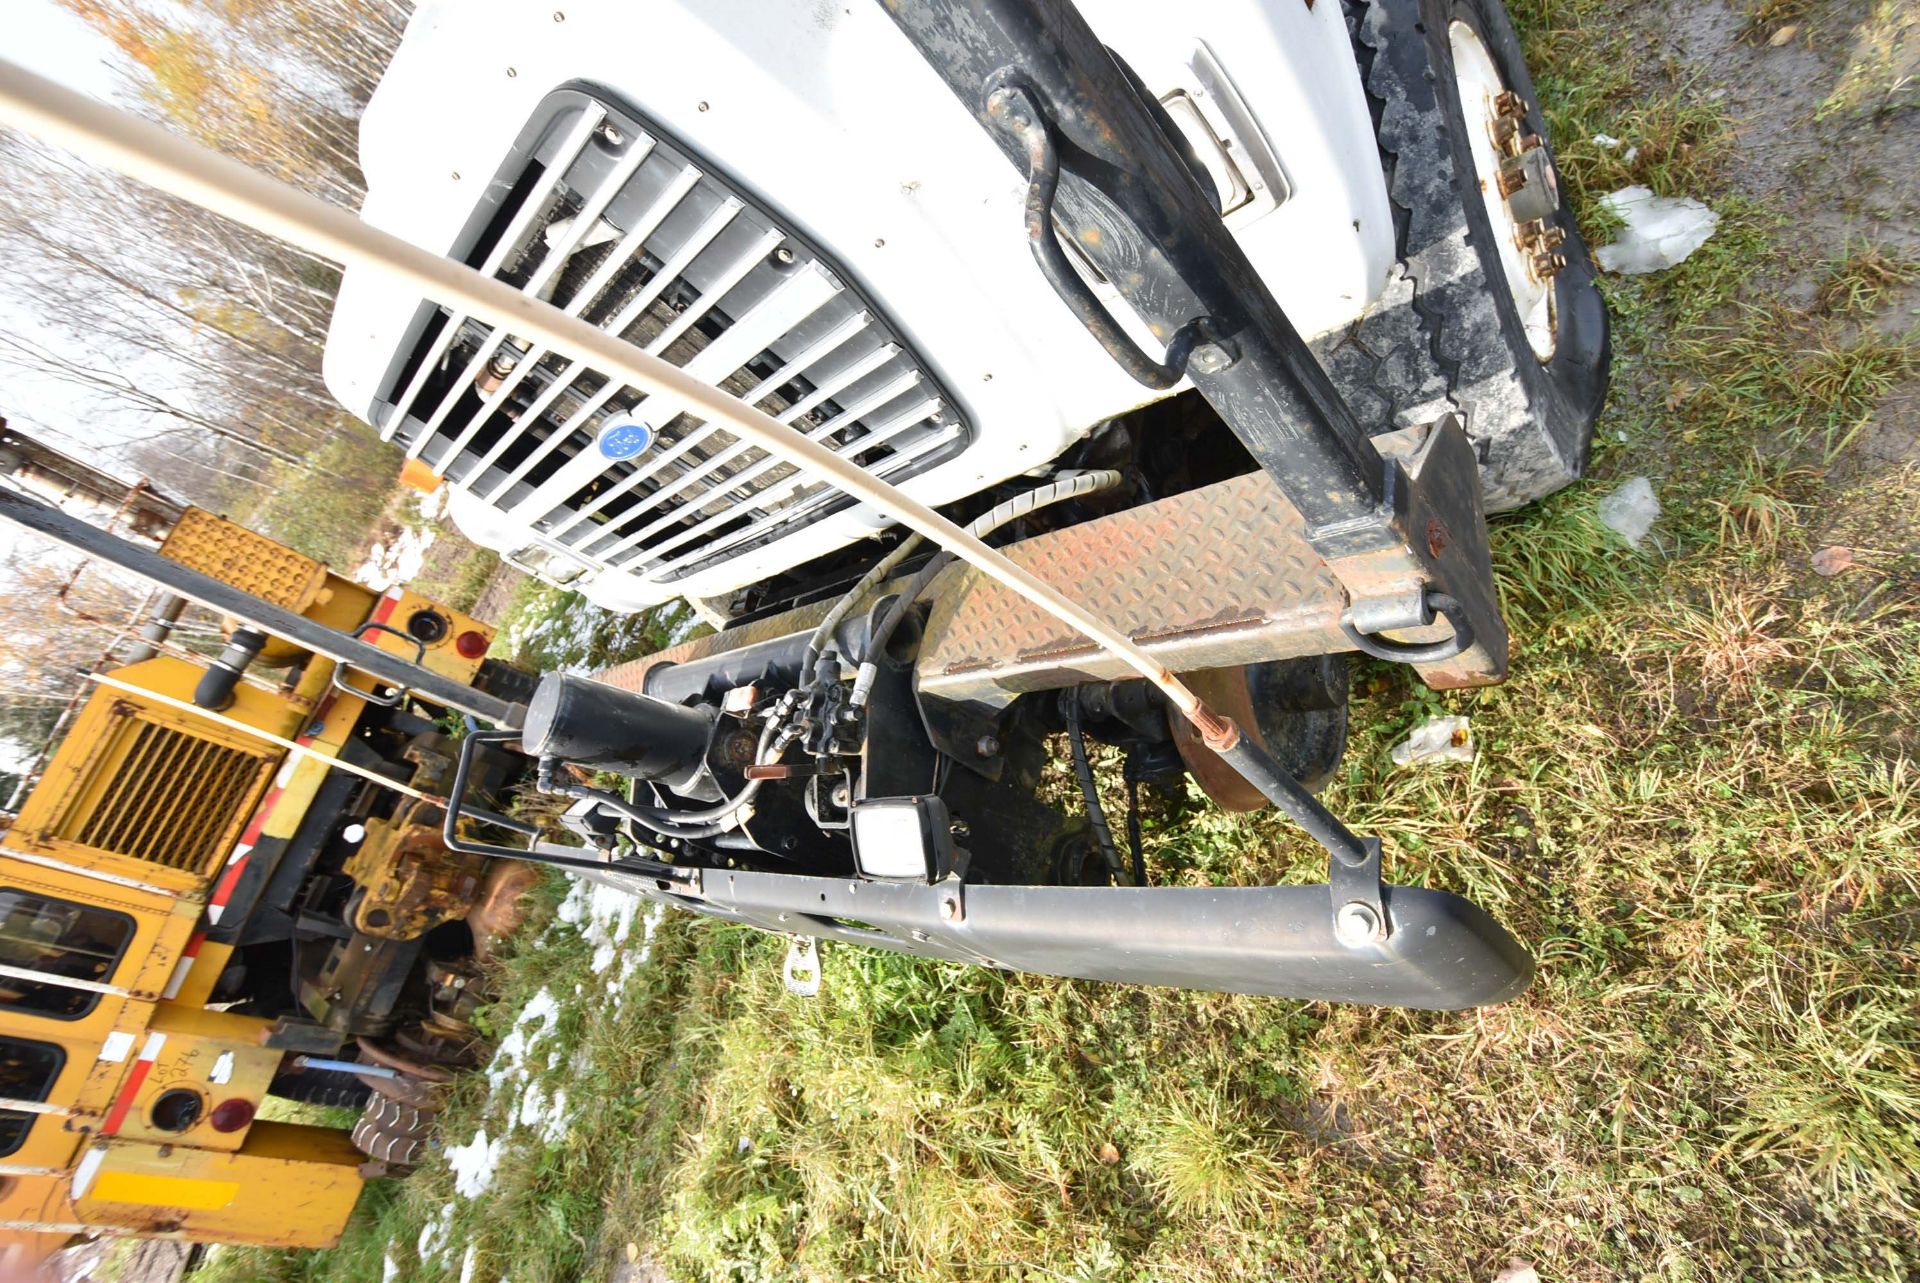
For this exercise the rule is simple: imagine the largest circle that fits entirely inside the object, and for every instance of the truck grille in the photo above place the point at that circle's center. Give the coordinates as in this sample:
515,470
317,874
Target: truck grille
175,799
602,216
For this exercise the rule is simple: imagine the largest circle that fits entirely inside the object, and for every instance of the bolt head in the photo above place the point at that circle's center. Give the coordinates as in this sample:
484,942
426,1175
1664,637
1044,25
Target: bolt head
987,746
783,254
1356,925
1209,358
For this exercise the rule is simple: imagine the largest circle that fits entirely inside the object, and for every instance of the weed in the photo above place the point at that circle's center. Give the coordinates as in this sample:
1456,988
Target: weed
1864,279
1883,68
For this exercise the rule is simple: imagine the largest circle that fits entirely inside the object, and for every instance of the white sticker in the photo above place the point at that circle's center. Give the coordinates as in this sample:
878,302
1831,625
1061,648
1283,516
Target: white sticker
117,1045
222,1071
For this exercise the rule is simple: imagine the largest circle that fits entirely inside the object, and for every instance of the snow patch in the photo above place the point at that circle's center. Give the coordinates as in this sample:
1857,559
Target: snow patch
474,1164
388,565
546,1119
1630,511
433,1235
535,1022
604,915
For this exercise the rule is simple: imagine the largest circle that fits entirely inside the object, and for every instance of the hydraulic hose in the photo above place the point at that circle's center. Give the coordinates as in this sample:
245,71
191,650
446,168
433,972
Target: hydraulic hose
1102,831
1082,483
878,575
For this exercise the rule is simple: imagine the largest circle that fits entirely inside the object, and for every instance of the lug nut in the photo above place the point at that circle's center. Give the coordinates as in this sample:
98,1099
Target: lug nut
1546,266
1510,181
1509,103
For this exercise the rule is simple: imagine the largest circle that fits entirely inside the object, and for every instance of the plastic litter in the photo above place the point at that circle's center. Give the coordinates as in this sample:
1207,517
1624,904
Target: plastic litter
1659,231
1630,511
1609,142
1438,739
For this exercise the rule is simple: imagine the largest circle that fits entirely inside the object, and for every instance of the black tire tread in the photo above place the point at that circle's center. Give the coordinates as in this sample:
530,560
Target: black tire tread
1434,342
320,1087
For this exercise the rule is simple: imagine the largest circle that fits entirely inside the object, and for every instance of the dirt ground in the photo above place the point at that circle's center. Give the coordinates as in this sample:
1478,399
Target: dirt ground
1826,133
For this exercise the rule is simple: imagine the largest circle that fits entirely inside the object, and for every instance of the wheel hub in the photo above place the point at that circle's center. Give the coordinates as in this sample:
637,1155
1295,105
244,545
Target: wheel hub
1518,183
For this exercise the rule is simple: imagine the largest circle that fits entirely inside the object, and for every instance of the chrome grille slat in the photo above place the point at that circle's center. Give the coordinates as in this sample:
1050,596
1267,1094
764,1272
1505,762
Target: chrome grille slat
799,297
668,201
510,243
753,396
727,486
551,264
548,495
615,261
822,495
668,254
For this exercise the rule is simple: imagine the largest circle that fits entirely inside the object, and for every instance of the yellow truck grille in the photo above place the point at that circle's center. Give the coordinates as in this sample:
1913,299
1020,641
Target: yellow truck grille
175,800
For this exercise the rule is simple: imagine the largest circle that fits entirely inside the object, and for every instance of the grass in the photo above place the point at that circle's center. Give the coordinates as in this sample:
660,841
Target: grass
1695,799
549,627
1883,72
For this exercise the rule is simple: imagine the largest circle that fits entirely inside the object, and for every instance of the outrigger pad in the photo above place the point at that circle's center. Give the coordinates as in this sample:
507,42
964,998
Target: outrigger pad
1443,953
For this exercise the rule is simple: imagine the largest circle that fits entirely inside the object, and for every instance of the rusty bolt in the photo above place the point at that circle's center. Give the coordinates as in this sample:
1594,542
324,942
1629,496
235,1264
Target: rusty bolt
1510,181
1509,103
1546,266
1529,141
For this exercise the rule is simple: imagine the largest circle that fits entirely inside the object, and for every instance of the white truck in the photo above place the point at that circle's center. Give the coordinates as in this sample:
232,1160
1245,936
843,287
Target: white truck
1236,318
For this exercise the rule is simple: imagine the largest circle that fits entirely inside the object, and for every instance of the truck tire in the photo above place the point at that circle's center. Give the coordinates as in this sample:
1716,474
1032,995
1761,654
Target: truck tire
394,1132
1448,334
320,1087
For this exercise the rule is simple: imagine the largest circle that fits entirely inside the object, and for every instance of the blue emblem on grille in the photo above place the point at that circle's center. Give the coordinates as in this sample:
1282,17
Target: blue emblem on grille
624,438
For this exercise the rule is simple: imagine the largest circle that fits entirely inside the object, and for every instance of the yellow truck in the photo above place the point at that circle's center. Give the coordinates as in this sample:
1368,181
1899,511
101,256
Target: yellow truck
230,883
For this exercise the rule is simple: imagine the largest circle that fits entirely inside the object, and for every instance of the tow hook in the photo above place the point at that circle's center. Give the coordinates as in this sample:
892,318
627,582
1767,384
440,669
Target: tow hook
801,970
1530,187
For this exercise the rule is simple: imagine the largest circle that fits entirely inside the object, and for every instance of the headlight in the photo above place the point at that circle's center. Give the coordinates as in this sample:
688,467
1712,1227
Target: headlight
903,839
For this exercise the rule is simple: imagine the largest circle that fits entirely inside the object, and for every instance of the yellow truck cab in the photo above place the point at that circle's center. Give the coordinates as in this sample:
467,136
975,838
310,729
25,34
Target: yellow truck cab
226,884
